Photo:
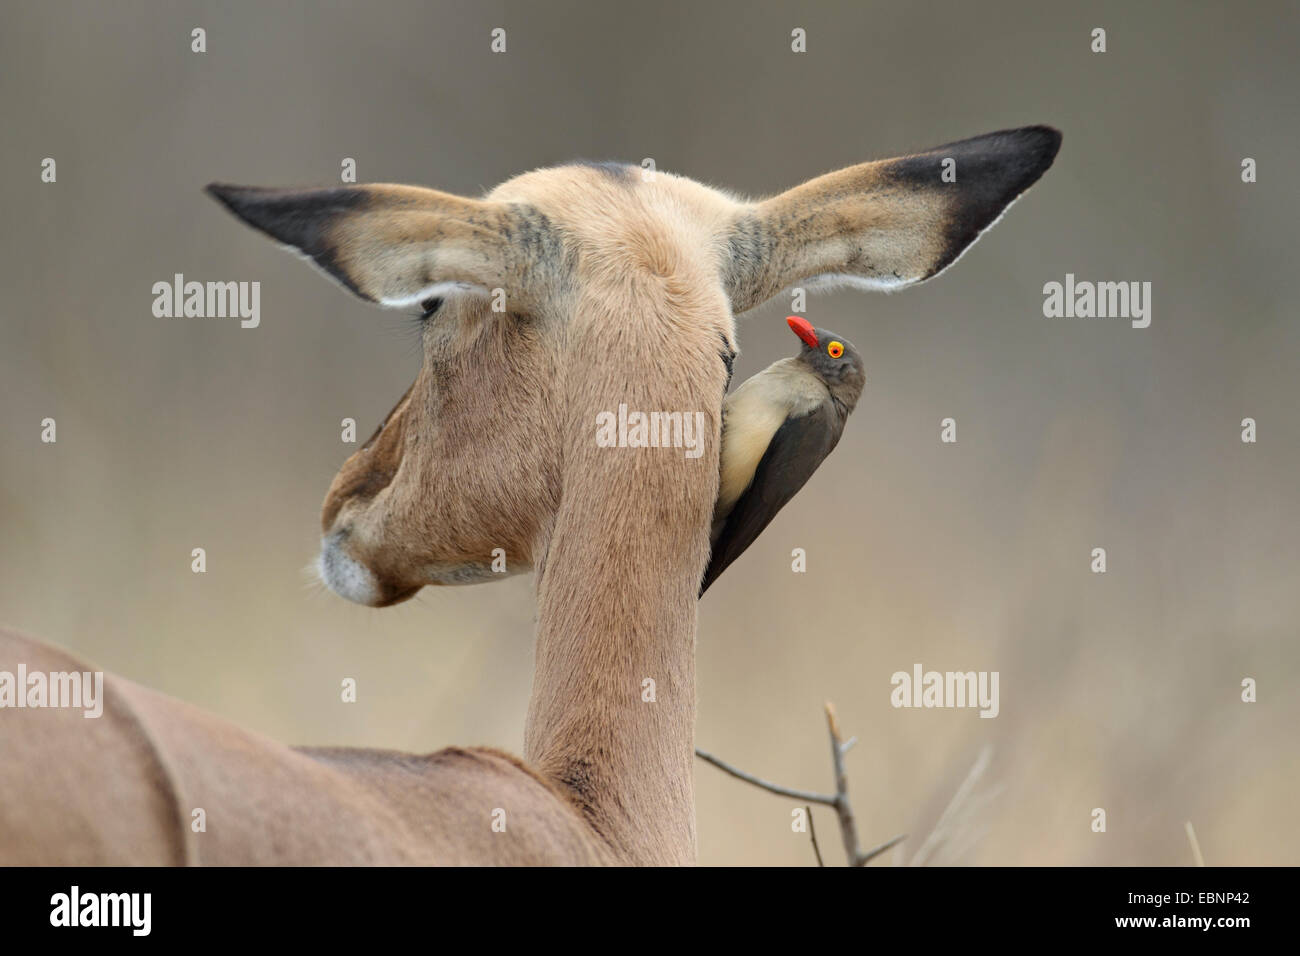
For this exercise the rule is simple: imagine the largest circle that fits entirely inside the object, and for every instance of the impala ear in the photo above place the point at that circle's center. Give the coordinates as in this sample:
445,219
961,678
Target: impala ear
399,245
887,224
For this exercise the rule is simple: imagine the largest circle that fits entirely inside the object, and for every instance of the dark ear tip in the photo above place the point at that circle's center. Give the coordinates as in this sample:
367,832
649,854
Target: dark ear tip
228,195
1044,141
1022,155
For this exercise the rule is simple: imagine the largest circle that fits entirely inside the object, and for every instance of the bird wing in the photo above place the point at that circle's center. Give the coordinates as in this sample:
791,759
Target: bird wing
794,453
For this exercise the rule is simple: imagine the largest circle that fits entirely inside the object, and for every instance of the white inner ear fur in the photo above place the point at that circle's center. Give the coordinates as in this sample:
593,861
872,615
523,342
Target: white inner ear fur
299,254
435,291
826,281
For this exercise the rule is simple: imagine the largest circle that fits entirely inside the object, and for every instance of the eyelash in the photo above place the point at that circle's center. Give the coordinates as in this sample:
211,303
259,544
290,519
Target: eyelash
428,307
419,321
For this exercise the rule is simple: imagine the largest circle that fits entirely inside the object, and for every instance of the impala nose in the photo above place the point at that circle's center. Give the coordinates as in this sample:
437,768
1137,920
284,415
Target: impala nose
352,579
343,574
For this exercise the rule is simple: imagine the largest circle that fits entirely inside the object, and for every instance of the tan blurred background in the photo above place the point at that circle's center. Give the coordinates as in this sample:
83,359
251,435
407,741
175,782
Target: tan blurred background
1119,691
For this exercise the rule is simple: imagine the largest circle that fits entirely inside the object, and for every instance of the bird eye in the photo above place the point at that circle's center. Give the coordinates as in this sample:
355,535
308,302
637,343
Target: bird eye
835,349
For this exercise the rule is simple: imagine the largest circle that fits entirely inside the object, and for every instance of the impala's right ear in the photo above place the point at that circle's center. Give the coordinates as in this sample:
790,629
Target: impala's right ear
399,245
887,224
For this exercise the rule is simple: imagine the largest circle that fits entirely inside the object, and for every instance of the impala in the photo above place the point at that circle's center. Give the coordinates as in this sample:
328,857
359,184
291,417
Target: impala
618,290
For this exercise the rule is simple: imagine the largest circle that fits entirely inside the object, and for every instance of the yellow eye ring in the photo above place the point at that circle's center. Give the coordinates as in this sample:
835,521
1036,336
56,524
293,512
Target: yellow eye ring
835,349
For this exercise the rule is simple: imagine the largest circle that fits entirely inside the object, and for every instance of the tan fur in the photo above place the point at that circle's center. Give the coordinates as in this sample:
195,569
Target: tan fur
618,290
120,789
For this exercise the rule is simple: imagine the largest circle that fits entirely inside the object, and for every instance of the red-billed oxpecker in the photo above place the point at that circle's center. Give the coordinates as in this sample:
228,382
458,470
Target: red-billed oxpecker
776,429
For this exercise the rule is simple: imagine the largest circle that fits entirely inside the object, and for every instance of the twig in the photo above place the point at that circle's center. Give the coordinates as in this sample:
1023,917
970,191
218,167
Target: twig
875,851
848,827
812,832
839,799
807,796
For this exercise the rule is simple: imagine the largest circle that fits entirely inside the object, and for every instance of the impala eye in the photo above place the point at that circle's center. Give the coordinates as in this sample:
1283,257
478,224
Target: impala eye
430,306
835,349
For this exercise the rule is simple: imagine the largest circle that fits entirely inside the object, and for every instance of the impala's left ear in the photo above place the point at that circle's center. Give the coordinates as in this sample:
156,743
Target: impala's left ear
887,224
400,245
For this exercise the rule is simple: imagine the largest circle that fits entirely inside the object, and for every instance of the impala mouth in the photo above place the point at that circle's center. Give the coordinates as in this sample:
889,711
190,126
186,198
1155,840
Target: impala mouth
350,579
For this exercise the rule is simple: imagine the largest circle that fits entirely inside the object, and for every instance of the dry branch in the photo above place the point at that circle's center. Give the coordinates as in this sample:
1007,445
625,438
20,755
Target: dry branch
839,800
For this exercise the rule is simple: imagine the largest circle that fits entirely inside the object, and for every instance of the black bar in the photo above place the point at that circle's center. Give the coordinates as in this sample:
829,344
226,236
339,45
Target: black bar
217,905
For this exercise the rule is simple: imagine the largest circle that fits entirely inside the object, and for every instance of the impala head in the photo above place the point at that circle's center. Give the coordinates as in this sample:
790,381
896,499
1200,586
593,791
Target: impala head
608,286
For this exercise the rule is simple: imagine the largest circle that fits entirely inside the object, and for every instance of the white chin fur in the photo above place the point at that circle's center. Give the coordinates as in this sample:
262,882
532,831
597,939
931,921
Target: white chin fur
345,577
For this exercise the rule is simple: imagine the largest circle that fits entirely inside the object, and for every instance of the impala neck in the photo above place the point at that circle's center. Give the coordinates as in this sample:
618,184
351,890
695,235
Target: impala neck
621,745
612,715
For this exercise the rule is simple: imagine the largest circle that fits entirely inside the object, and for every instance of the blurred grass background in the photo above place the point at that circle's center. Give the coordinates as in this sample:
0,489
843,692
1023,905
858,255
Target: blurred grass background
1119,691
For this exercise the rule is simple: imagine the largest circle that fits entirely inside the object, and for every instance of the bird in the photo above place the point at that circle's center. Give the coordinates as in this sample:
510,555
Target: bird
777,428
